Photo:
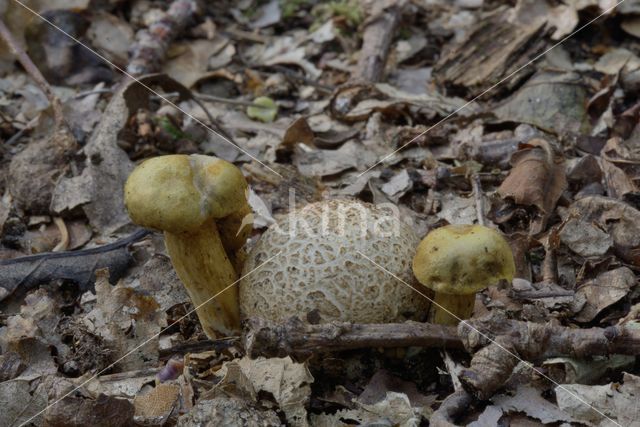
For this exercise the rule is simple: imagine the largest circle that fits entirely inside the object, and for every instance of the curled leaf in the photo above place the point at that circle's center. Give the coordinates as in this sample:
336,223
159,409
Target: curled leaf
536,179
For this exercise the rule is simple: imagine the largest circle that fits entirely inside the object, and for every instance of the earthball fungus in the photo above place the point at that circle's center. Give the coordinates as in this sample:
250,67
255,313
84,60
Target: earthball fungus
199,202
456,261
320,276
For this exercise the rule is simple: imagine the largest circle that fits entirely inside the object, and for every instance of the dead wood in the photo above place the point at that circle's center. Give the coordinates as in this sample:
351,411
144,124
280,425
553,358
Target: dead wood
376,42
150,48
510,45
294,337
494,362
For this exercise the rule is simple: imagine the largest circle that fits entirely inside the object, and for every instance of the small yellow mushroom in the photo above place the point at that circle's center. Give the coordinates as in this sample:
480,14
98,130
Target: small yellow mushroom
456,261
198,201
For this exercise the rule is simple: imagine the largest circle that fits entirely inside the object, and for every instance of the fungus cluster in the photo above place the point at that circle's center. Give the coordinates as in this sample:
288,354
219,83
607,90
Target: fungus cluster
200,204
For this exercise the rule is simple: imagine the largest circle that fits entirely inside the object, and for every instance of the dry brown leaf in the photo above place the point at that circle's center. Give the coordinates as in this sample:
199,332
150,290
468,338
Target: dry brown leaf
537,179
617,218
603,291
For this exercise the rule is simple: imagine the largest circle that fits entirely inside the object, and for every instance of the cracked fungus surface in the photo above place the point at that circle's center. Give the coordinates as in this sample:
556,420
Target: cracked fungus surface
321,271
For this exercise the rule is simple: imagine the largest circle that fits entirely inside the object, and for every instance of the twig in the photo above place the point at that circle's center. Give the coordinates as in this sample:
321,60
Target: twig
150,48
294,337
491,365
198,346
376,42
477,194
33,71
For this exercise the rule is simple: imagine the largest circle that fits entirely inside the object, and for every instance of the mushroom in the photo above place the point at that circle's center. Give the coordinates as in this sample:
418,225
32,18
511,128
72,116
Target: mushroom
322,277
199,202
456,261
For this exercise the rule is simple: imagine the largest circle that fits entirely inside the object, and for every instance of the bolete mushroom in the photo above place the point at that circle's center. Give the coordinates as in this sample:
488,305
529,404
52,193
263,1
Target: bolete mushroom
456,261
322,277
199,202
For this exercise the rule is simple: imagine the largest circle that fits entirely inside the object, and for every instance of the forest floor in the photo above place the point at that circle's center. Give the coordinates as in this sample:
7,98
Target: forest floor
521,115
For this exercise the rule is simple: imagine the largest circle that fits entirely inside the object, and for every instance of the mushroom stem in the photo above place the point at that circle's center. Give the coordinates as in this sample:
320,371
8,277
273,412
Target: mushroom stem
204,267
448,305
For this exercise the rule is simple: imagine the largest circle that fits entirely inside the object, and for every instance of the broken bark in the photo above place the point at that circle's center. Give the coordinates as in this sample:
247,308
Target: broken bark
514,341
376,42
295,337
150,48
510,45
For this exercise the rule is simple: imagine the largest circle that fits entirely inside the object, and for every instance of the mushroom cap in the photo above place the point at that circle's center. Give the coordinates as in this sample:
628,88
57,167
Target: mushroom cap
321,272
463,259
178,193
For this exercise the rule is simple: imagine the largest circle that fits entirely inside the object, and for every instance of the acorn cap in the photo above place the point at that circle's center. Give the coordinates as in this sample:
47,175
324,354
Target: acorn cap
463,259
178,193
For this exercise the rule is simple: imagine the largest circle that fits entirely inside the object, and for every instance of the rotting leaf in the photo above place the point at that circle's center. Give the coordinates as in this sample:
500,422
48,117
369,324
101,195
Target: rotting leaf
329,162
537,179
356,102
552,101
529,400
298,132
19,404
125,318
19,275
603,291
104,411
221,410
619,402
289,383
617,218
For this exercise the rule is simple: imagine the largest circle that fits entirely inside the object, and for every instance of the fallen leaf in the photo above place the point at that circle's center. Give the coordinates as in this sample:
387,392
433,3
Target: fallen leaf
585,239
265,109
398,185
20,404
529,400
620,220
536,179
553,101
225,411
157,405
125,318
104,411
288,382
603,291
111,36
329,162
612,400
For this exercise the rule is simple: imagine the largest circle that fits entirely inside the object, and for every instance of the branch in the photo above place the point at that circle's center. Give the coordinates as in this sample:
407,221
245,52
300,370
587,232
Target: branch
294,337
150,48
491,365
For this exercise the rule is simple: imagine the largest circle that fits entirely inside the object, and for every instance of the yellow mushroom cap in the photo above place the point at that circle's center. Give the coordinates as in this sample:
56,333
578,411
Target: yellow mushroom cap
178,193
463,259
